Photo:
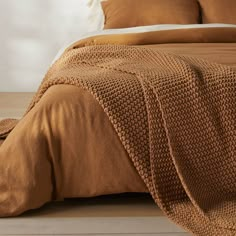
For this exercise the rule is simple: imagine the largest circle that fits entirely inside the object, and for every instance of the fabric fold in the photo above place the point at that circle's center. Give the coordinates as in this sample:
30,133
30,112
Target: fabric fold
6,127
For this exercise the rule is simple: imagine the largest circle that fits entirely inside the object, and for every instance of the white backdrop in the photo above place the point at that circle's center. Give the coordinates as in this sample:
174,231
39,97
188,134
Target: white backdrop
31,33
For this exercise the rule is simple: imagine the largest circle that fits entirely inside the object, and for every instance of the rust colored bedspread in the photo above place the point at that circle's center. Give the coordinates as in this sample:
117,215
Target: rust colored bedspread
67,146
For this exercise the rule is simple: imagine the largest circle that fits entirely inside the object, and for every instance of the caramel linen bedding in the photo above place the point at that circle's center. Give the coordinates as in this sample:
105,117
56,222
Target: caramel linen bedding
115,118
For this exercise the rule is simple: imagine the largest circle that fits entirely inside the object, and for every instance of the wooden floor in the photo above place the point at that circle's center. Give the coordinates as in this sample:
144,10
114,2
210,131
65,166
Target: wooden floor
13,105
115,215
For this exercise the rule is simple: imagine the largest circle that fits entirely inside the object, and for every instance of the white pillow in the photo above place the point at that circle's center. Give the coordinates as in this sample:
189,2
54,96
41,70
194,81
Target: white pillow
96,16
90,20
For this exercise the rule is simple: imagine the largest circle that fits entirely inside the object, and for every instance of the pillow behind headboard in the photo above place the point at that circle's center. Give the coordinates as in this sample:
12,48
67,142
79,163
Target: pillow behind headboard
218,11
131,13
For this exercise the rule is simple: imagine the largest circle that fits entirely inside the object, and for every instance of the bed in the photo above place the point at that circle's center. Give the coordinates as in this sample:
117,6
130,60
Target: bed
138,109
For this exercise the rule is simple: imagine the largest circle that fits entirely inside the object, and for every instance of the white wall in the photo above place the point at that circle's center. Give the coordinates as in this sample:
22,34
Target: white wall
31,33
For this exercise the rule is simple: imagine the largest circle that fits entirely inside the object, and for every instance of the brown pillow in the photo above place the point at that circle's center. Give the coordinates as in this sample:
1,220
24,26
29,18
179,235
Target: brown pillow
218,11
131,13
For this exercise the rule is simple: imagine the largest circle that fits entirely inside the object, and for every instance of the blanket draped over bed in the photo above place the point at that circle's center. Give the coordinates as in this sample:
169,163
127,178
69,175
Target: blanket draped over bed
176,118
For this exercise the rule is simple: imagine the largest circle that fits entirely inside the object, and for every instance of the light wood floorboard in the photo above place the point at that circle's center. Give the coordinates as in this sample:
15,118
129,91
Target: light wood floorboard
13,105
155,234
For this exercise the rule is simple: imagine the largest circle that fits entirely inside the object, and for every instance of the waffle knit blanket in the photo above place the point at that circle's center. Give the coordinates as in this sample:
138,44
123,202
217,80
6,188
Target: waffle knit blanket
176,118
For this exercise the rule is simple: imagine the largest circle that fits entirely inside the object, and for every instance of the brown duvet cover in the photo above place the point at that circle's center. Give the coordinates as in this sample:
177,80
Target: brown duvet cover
67,146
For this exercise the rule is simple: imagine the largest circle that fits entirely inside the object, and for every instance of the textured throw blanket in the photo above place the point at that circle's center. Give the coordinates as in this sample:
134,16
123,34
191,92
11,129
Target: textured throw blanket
176,118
